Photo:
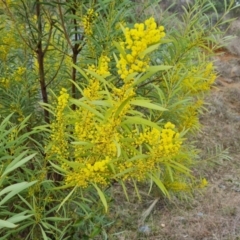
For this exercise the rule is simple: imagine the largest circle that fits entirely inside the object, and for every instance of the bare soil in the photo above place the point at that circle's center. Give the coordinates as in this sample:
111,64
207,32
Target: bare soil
212,214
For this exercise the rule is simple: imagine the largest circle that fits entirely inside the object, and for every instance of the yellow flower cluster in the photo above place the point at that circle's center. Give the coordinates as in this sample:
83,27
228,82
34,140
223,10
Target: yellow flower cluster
4,82
182,186
120,24
163,143
3,52
8,39
8,42
102,135
88,20
16,108
7,2
178,186
62,103
137,40
40,177
19,73
120,95
102,69
11,137
38,213
169,143
189,119
89,129
91,92
198,80
96,173
210,76
101,140
126,91
203,183
68,61
104,147
60,144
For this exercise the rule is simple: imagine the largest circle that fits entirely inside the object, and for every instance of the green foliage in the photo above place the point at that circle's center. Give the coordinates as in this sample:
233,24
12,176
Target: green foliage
130,96
31,207
12,156
221,6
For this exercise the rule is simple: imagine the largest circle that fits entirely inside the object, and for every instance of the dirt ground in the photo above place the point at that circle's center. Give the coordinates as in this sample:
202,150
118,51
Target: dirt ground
212,214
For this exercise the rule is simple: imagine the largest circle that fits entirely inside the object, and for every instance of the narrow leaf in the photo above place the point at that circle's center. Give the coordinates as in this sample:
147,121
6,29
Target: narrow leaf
86,106
149,50
66,198
120,49
7,224
102,197
14,189
18,164
150,72
147,104
159,184
43,234
19,217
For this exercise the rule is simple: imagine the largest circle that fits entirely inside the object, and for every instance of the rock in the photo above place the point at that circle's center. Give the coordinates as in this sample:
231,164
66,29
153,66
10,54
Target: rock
228,80
229,70
222,186
234,46
235,71
144,229
200,214
181,219
237,119
234,30
235,189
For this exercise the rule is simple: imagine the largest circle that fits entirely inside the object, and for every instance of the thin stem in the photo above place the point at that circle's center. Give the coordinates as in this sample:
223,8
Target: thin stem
40,59
56,73
17,29
63,25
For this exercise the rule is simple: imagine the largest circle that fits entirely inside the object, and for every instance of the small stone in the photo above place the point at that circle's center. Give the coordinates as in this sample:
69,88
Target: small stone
235,71
228,80
180,218
236,189
222,186
144,229
237,118
200,214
